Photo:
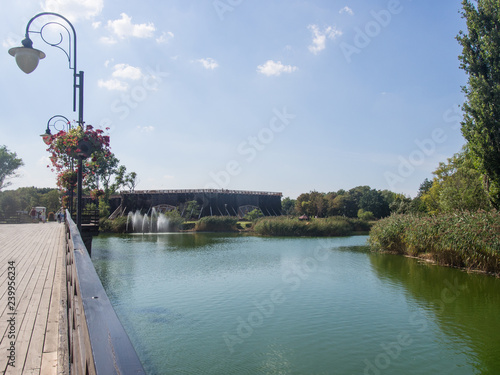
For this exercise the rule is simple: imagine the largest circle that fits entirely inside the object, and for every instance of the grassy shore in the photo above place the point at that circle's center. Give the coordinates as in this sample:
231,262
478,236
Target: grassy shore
332,226
468,240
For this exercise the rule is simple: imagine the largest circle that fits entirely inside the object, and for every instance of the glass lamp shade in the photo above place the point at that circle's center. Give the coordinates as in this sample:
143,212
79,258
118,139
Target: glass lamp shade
27,58
46,138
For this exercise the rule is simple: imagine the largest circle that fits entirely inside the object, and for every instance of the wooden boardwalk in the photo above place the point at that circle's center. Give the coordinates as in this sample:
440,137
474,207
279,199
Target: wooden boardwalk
35,315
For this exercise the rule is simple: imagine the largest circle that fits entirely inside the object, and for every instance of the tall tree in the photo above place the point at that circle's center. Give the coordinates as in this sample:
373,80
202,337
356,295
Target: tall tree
480,59
9,162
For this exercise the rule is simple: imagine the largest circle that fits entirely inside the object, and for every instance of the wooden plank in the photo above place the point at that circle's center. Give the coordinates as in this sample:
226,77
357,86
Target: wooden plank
45,283
39,257
26,276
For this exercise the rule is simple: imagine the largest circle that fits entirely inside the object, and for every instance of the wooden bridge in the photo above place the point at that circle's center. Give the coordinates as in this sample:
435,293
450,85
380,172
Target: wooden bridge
32,263
55,317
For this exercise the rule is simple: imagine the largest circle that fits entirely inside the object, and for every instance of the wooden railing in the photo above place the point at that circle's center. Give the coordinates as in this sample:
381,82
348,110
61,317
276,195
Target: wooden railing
98,343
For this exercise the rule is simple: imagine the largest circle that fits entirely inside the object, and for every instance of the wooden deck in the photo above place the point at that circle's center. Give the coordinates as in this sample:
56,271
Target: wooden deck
36,253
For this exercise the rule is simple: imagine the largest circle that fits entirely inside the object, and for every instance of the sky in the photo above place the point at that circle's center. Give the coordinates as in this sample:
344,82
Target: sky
283,96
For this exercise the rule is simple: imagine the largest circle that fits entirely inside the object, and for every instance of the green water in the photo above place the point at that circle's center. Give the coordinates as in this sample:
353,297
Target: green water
231,304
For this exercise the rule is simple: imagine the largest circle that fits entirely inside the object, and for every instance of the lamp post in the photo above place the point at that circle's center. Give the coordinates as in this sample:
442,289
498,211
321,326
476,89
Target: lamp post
27,59
58,123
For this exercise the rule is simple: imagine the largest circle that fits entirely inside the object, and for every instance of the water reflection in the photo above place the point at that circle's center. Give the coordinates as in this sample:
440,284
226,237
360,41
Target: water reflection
180,296
466,306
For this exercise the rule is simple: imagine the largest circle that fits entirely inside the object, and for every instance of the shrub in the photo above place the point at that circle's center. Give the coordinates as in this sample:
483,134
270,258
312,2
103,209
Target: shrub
216,224
51,216
332,226
462,238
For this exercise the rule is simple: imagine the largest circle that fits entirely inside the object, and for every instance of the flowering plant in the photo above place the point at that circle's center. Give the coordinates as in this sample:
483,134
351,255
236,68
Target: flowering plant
67,179
96,194
65,146
74,143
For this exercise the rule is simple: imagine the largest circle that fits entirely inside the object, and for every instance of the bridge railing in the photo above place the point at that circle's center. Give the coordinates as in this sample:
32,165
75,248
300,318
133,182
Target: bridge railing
98,343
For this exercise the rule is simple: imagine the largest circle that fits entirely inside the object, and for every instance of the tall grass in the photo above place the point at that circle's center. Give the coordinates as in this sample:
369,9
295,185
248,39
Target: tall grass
332,226
462,239
216,224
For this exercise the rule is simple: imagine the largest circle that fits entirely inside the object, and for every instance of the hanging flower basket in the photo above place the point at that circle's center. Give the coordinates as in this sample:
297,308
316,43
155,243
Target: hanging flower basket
67,179
77,143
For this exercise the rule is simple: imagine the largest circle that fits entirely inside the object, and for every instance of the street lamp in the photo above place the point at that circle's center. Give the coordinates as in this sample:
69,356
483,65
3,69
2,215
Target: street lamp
66,125
27,59
59,122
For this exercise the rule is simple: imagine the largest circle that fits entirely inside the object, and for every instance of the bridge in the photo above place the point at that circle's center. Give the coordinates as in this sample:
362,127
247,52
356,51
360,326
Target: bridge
55,317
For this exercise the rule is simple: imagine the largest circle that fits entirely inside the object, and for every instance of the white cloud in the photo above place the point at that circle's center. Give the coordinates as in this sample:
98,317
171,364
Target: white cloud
96,25
113,84
120,72
126,71
347,10
165,37
146,129
12,40
124,27
208,63
74,9
275,68
319,37
107,40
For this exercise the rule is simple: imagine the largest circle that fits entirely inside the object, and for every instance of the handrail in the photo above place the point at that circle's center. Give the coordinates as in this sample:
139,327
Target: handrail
98,343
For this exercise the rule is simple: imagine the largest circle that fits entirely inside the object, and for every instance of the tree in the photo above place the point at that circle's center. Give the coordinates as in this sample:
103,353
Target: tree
192,209
131,181
101,169
457,186
480,59
288,206
254,215
373,201
9,162
345,205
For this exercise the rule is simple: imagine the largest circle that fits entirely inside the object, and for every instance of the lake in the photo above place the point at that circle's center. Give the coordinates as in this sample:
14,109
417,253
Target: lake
207,303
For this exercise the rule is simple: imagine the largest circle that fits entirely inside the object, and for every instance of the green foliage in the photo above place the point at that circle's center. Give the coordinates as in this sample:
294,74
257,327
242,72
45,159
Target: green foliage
117,225
480,59
332,226
216,224
462,239
9,162
175,220
192,209
22,199
254,215
344,203
457,186
365,215
288,206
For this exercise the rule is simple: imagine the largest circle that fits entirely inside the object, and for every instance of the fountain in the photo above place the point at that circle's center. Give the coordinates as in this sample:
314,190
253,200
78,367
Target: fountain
155,222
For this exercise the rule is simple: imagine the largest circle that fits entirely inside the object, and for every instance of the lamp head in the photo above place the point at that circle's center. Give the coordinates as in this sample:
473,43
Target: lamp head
27,57
46,137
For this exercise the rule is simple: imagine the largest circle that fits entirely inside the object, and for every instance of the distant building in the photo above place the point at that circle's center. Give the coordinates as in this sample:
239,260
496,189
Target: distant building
211,202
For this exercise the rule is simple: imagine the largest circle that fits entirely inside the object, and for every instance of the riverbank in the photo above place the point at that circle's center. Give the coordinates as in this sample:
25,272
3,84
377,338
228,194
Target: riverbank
282,226
468,240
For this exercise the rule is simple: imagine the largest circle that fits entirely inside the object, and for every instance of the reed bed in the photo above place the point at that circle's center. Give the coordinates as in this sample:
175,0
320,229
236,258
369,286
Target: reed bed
216,224
329,227
461,239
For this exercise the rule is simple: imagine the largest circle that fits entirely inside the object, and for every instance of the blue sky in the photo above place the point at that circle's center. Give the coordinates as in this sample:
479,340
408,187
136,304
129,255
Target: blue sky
274,95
